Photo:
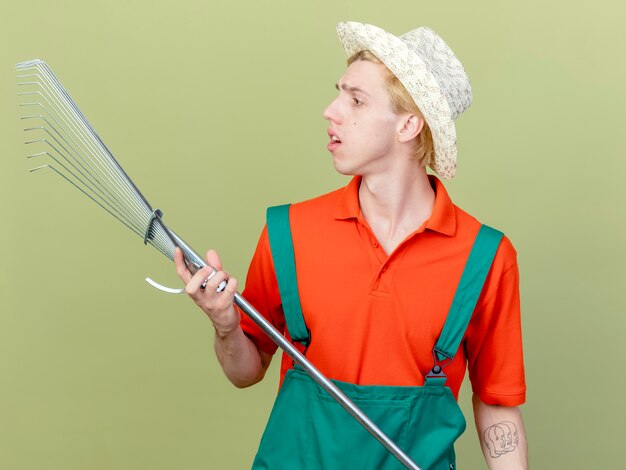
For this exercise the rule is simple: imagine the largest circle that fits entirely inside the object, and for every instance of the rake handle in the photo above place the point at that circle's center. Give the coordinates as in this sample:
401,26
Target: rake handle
324,382
195,262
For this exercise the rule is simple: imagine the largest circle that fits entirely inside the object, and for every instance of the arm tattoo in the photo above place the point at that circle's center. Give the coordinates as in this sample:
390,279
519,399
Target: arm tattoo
501,438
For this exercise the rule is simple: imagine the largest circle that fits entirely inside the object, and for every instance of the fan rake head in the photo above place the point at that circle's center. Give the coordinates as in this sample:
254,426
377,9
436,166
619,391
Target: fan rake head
63,137
73,150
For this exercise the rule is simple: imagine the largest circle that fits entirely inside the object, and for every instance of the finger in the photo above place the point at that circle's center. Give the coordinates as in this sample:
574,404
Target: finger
231,287
198,279
181,267
222,285
214,260
215,281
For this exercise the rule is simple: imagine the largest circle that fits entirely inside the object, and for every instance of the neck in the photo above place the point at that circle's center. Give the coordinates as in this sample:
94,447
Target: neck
395,205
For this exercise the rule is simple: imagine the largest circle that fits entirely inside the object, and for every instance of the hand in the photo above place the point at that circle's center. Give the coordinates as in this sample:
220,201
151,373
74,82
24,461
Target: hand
217,305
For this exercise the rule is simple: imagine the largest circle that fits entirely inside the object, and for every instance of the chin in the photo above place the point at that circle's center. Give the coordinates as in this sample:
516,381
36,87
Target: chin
342,169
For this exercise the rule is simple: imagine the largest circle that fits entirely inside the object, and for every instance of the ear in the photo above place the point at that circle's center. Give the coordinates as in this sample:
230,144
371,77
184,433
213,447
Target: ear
412,125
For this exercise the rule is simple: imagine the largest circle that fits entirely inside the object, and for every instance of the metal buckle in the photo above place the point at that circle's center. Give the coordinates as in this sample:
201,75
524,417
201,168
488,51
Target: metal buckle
437,370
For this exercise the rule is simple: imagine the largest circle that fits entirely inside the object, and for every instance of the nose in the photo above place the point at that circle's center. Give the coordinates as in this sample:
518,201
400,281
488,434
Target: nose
331,113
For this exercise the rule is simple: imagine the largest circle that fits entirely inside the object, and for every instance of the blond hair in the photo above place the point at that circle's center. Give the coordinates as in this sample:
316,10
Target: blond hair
402,102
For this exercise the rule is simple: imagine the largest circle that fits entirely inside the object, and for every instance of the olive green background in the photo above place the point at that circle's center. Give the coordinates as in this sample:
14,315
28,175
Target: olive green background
214,109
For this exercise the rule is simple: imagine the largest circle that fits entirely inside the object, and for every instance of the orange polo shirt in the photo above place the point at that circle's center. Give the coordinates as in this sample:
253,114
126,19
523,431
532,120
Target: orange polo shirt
375,318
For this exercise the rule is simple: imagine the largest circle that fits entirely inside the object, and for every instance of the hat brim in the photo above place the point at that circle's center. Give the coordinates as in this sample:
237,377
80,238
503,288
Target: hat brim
413,73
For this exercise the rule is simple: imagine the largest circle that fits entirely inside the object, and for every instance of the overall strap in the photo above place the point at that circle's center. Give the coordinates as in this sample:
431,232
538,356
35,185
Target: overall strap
469,289
465,298
281,246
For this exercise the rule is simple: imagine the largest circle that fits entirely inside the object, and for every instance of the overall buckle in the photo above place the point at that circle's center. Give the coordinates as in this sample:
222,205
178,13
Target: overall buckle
437,371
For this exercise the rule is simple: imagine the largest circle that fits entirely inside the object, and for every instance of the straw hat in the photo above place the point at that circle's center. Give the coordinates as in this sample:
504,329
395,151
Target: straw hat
430,72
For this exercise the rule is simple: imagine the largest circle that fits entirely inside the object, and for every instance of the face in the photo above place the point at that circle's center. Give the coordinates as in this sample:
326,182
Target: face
363,128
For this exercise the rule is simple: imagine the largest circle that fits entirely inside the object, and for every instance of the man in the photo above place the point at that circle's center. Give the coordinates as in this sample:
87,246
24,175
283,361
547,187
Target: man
377,265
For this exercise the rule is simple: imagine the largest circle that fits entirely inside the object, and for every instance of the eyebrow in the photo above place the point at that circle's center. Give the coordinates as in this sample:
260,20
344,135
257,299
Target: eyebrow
351,89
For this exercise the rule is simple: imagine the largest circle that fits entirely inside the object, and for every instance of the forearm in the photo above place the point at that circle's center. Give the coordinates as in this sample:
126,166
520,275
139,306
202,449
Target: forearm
242,362
502,436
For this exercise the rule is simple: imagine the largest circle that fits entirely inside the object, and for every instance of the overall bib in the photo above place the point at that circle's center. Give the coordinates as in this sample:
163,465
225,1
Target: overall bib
308,429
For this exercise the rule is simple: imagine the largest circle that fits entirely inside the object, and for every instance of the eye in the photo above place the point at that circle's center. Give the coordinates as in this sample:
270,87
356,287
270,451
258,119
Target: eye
357,101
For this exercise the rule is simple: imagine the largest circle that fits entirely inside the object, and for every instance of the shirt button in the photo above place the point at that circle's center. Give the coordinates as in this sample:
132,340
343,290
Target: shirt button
375,244
384,269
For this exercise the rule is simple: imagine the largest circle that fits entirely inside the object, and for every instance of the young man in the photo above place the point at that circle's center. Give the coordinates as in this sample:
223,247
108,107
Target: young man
377,265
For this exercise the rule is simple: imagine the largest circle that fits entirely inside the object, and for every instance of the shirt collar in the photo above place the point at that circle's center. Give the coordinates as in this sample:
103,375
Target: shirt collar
442,219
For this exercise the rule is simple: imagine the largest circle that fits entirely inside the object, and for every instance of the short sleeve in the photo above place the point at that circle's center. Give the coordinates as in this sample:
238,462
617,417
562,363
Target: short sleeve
494,337
261,290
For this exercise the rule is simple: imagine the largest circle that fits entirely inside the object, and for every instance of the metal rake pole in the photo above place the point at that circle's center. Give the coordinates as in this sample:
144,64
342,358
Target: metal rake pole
81,158
303,362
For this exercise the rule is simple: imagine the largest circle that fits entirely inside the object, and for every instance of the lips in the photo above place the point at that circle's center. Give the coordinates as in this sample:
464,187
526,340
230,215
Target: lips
335,141
333,135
